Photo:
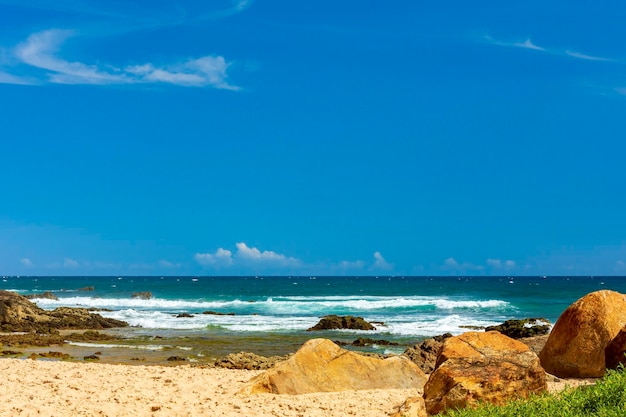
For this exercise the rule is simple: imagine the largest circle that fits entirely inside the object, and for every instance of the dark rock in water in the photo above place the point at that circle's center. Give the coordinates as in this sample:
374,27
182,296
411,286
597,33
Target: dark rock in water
425,354
516,329
184,315
366,341
89,288
54,355
91,358
10,353
342,322
176,359
217,313
44,295
18,314
248,361
143,295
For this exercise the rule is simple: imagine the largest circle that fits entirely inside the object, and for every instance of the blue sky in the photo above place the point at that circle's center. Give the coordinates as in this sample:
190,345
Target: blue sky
279,137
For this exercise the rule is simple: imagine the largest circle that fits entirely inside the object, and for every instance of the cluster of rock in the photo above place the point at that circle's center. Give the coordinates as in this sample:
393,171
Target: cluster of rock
478,366
333,322
18,314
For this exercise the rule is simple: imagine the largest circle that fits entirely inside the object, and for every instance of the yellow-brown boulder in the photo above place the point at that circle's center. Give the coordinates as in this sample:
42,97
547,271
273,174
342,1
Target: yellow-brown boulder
322,366
576,345
482,367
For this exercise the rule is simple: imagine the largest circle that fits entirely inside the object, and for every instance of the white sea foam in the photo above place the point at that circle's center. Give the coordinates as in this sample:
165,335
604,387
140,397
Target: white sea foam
111,346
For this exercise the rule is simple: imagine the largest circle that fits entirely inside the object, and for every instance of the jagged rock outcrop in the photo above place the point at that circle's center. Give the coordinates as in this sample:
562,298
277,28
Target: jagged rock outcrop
576,345
342,322
518,329
18,314
425,354
482,367
322,366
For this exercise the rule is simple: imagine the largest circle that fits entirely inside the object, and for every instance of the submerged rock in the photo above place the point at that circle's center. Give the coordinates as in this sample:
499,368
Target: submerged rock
142,295
332,322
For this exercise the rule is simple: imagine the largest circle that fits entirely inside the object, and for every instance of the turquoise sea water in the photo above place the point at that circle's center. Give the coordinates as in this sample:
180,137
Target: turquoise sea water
275,312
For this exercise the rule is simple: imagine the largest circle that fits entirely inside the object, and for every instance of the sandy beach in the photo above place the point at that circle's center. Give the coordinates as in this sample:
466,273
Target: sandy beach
56,388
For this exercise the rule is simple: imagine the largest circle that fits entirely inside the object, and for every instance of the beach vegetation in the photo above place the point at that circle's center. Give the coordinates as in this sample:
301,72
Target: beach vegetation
606,398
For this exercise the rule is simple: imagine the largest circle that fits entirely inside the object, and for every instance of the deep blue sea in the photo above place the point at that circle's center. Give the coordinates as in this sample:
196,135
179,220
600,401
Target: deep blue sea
275,310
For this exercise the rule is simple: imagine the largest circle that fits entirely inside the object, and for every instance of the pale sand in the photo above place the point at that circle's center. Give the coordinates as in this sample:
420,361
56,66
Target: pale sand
47,388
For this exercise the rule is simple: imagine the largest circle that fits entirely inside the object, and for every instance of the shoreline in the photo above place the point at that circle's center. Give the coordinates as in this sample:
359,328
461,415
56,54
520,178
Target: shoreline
39,387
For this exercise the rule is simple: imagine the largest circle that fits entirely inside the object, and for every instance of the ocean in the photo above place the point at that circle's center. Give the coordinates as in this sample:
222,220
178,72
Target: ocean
270,315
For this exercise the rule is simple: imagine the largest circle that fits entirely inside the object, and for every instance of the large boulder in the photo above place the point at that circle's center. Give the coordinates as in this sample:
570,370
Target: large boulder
482,367
322,366
412,407
575,347
18,314
333,321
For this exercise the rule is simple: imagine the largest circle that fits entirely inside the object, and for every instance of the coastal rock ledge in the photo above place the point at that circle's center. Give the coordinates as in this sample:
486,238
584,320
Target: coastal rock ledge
482,367
18,314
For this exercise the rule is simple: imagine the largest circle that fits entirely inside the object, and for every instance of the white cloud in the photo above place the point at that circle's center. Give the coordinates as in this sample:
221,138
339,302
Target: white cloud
380,262
70,263
40,52
248,254
26,262
167,264
451,264
499,264
620,265
347,265
221,258
528,44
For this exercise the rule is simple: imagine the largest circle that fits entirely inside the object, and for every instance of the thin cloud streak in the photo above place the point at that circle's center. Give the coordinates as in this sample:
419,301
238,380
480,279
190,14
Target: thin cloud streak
40,52
530,45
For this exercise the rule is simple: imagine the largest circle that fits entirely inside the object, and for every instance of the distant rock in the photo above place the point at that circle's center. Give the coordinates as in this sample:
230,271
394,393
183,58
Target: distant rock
44,295
217,313
342,322
184,316
88,288
176,359
480,367
425,354
366,341
91,358
518,329
248,361
322,366
142,295
576,345
18,314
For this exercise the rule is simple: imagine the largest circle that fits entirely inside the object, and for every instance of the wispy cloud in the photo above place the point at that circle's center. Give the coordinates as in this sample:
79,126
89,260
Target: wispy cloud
529,44
248,254
499,264
70,263
39,57
26,262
